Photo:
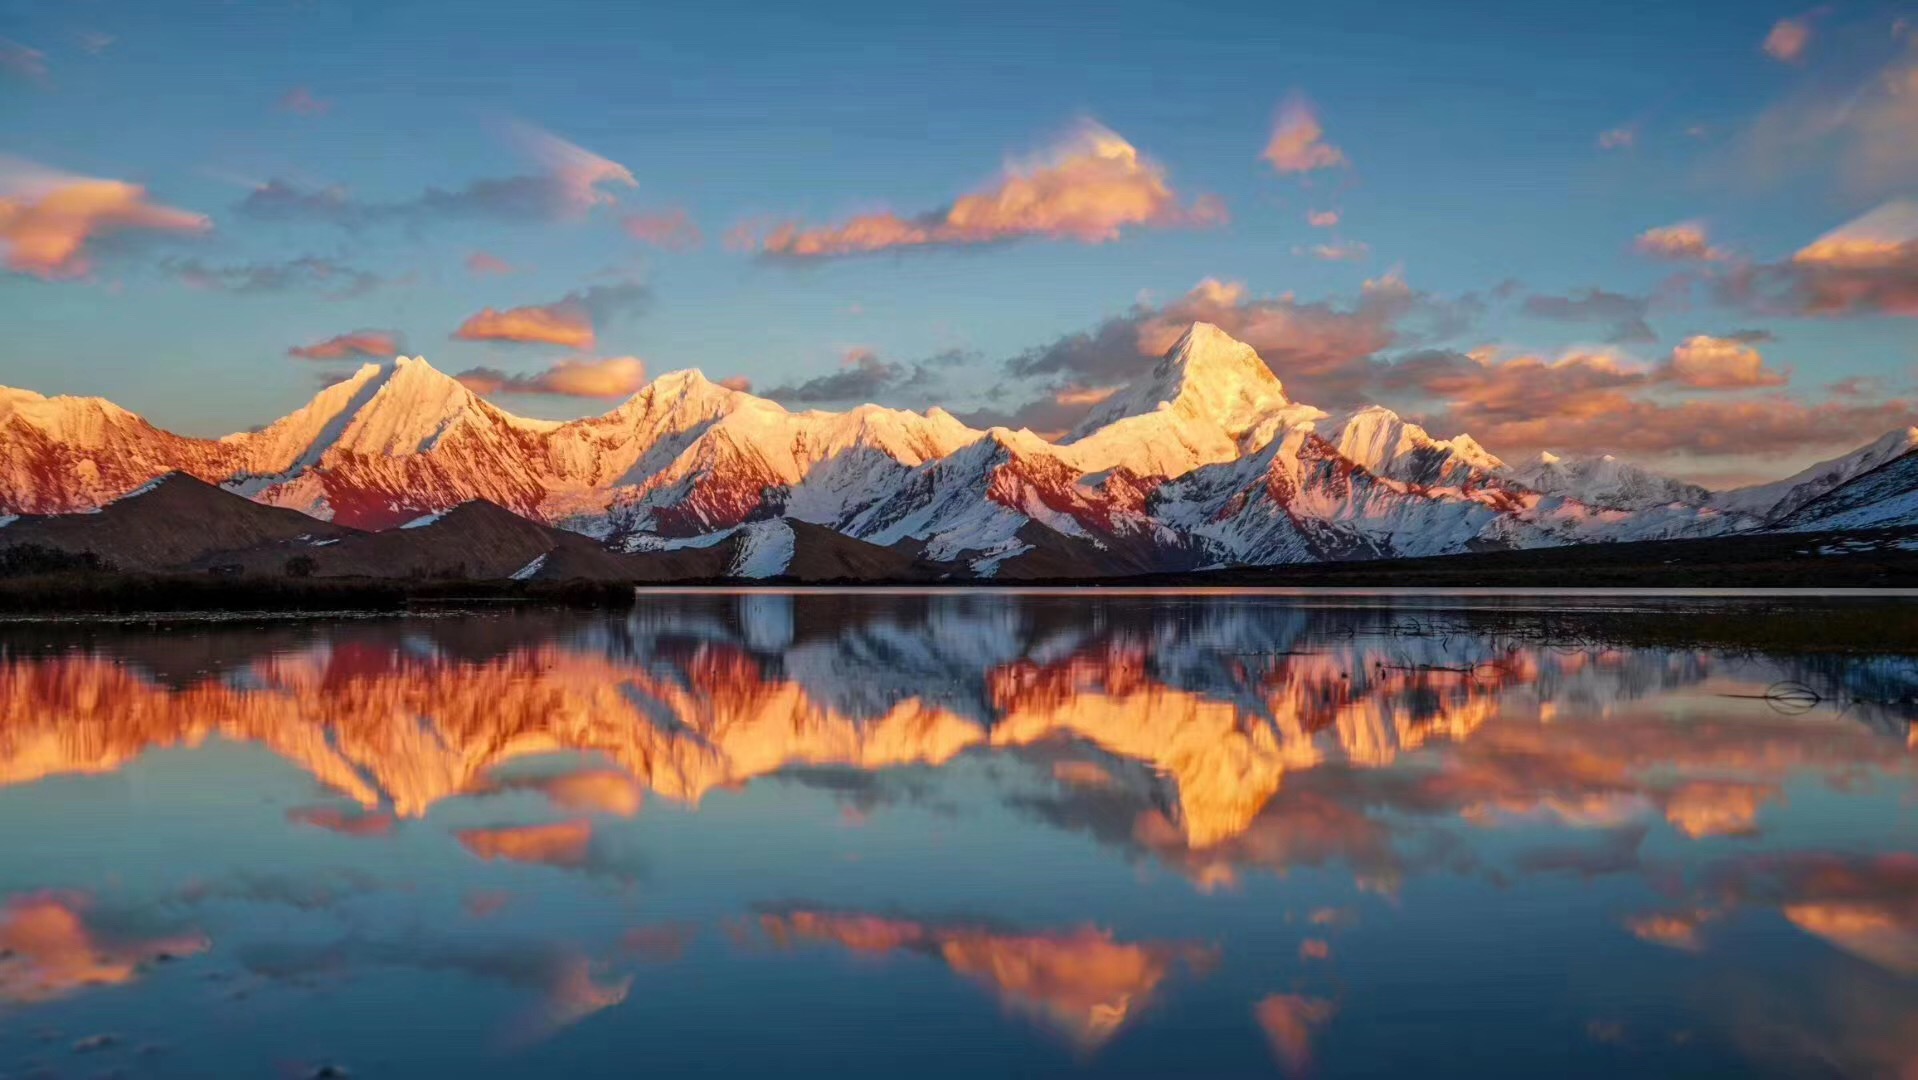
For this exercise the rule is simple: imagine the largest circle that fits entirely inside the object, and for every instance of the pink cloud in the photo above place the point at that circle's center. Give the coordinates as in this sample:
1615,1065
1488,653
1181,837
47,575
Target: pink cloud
1686,241
1298,141
48,219
22,62
482,263
1788,39
372,344
1623,137
1089,189
673,230
300,102
1322,219
1336,252
614,377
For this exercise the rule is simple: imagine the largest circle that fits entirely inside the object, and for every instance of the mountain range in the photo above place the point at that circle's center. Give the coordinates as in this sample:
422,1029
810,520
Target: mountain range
1202,462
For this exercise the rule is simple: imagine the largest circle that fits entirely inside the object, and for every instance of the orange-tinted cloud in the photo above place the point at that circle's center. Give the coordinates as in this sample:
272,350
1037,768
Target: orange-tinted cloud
481,263
550,324
1672,929
1315,949
1290,1021
590,791
1703,362
48,219
1089,189
1081,983
570,321
613,377
1789,39
563,844
300,102
1867,267
1686,241
1858,131
373,344
1298,141
342,820
737,382
673,230
48,949
1322,219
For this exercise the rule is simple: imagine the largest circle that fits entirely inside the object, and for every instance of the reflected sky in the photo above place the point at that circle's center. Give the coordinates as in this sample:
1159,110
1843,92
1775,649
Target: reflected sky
959,834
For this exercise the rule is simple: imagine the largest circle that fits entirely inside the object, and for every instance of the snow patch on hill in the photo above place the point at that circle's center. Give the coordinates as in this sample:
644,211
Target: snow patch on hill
765,550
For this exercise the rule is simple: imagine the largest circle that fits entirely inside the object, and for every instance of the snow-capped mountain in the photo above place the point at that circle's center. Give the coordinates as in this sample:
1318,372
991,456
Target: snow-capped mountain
1606,481
1203,461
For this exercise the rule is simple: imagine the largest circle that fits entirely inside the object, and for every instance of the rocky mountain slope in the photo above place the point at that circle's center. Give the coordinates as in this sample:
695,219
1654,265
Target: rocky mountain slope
1204,461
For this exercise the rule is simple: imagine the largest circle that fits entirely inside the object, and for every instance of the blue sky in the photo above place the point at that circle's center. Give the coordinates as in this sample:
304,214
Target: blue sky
1472,175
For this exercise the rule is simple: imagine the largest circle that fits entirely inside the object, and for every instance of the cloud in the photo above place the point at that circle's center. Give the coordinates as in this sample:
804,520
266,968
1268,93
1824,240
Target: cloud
1083,983
1686,241
374,344
1624,315
570,321
1340,252
1623,137
1858,130
570,184
300,102
582,791
51,947
1703,362
1788,39
614,377
1867,267
863,376
480,263
344,821
1324,352
330,279
563,844
673,230
1298,141
737,382
1322,219
1089,189
48,219
1290,1022
22,62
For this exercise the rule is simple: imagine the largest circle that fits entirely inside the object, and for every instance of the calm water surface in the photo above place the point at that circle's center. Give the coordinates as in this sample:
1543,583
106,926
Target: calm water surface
959,835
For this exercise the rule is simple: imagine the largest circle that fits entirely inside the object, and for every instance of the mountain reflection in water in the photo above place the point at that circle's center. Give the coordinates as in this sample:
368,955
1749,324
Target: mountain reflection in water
952,834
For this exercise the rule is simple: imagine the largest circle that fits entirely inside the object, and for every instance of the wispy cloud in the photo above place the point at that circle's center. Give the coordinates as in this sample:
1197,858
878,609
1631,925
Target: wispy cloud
372,344
1622,315
49,219
1090,189
331,279
481,263
614,377
22,62
863,376
300,101
571,182
670,229
1623,137
570,322
1298,141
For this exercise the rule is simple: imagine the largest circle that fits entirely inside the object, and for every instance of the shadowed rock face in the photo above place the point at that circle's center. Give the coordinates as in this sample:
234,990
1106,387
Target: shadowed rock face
1203,461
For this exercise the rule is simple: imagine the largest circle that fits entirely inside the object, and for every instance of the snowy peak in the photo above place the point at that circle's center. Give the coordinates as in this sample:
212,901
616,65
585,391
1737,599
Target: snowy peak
1607,482
1388,445
1782,497
1207,376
